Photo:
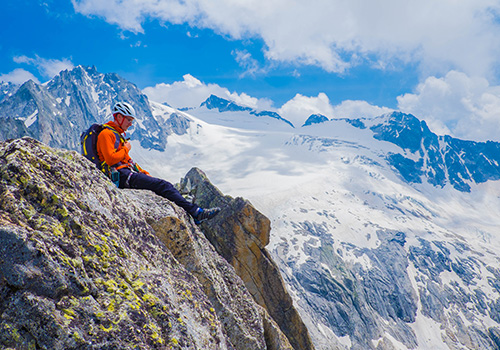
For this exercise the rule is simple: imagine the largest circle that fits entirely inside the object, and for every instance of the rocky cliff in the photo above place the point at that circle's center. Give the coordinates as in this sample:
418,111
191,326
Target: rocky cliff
84,265
240,234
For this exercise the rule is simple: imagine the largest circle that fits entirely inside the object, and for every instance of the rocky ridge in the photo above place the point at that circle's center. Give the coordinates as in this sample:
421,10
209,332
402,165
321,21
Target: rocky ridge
84,265
223,105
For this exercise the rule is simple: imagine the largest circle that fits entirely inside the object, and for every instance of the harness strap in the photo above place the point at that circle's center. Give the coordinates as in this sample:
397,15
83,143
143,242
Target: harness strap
127,182
120,165
118,139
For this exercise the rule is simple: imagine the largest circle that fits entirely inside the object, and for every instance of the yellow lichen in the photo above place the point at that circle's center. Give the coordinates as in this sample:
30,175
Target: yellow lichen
78,337
62,212
150,299
137,285
121,316
58,230
15,335
111,306
55,199
134,305
109,329
69,313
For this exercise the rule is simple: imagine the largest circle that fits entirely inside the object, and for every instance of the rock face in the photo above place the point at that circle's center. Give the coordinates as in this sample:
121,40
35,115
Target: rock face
240,234
84,265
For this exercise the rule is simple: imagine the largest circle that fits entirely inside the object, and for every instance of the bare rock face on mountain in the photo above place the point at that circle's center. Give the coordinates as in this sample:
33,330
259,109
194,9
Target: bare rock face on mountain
84,265
240,234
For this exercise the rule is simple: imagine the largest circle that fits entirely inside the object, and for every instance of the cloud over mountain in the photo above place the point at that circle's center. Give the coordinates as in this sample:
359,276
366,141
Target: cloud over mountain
191,92
48,68
18,76
466,107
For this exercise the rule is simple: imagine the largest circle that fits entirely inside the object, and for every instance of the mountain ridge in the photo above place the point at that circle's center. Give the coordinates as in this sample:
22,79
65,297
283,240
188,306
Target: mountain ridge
440,159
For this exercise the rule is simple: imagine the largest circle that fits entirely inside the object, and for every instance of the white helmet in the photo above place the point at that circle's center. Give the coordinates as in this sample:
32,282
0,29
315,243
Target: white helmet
124,109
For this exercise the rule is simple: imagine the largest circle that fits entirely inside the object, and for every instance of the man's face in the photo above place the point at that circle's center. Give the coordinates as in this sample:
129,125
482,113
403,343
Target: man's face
124,121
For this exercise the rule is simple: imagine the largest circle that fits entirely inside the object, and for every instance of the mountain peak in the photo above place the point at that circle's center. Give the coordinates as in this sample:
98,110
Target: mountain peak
315,119
223,105
440,160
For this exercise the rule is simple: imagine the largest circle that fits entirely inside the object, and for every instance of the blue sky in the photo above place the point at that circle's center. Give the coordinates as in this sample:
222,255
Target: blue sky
340,58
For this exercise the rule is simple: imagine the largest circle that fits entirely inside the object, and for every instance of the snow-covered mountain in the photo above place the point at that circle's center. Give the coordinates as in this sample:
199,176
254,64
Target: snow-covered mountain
386,234
222,105
7,89
439,159
315,119
57,112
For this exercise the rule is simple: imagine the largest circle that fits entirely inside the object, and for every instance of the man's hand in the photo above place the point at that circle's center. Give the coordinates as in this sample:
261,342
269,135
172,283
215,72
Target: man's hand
128,145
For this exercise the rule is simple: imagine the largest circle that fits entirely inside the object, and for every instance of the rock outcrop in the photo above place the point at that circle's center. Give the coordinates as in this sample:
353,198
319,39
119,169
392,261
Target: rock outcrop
84,265
240,233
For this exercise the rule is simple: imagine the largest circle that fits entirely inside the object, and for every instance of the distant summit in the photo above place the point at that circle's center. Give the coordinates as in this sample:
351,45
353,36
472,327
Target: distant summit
439,159
223,105
315,119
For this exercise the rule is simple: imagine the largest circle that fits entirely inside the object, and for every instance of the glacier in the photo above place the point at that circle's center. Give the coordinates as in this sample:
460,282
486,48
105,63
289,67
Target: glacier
372,259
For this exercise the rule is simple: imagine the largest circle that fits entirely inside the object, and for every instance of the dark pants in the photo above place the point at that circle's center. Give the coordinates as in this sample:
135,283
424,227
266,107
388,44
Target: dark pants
161,187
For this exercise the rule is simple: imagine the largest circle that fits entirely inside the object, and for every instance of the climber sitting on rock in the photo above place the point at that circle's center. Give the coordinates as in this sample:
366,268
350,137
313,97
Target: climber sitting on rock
113,149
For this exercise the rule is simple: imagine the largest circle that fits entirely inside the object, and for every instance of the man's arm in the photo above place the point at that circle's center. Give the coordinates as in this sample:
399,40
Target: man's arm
106,148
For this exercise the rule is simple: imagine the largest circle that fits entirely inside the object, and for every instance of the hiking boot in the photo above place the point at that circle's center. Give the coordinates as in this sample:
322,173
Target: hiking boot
205,214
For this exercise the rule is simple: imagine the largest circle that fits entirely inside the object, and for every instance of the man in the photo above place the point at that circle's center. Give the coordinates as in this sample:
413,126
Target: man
113,149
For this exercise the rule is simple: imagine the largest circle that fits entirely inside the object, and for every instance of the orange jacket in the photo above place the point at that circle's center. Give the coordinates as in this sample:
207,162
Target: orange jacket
112,150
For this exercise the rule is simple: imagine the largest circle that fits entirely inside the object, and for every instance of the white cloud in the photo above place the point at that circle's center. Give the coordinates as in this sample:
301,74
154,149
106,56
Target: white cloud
246,61
191,92
48,68
458,105
335,34
18,76
358,109
299,108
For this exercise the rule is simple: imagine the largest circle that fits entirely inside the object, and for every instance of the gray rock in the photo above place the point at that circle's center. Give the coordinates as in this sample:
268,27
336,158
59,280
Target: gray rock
83,265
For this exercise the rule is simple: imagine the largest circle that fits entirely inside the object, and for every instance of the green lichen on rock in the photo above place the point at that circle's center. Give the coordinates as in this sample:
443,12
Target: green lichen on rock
84,265
96,278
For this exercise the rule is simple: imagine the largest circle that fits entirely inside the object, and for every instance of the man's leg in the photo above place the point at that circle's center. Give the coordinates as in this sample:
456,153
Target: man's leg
162,188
